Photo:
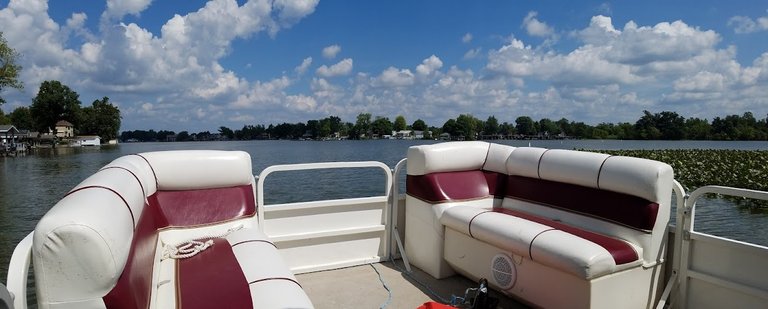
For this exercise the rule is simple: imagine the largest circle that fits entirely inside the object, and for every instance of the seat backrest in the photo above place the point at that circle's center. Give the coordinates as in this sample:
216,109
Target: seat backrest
456,171
624,197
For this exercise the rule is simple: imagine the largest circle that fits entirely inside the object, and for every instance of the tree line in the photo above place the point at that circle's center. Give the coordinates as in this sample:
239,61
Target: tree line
54,102
665,125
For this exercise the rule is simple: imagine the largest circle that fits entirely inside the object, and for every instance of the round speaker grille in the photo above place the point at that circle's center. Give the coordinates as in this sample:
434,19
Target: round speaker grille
504,271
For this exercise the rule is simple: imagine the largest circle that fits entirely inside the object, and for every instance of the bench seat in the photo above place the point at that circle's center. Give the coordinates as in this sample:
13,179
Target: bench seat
243,270
537,222
580,252
111,242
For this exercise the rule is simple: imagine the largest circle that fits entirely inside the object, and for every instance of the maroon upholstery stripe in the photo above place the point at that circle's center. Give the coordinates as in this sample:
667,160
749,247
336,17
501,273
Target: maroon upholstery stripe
215,269
133,219
174,208
621,251
254,240
628,210
133,288
530,247
448,186
157,184
469,225
141,185
275,278
205,206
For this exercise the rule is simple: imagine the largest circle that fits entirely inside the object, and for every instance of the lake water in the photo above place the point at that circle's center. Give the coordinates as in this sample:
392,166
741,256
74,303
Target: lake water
32,184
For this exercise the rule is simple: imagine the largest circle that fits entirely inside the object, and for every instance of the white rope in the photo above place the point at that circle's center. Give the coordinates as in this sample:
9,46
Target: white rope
189,248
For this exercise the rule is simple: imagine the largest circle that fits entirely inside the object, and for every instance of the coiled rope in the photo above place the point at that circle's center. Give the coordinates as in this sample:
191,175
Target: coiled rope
189,248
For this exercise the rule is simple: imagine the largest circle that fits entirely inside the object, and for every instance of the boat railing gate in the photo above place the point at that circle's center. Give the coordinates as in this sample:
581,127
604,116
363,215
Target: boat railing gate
711,271
328,234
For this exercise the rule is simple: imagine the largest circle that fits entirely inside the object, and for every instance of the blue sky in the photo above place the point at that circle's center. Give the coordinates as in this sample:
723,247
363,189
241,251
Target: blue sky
198,65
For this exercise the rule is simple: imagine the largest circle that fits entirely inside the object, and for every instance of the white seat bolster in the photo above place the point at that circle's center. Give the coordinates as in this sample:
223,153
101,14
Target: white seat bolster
124,185
651,180
524,161
191,169
140,168
77,253
507,232
265,270
458,217
573,167
572,254
258,258
446,157
279,294
496,161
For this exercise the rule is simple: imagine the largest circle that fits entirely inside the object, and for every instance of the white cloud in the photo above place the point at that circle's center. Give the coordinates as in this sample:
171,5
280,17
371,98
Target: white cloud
302,68
343,67
179,65
173,77
393,77
466,38
119,8
301,103
261,94
744,24
609,56
291,11
701,82
429,65
534,27
330,52
472,53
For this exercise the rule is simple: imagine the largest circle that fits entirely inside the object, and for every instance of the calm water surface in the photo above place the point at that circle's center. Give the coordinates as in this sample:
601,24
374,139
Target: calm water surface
32,184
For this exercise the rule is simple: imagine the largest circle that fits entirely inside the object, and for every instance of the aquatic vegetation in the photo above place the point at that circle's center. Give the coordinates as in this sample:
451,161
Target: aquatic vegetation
695,168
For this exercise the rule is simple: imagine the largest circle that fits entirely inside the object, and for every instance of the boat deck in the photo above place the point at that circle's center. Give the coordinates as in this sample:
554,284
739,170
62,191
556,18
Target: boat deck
360,287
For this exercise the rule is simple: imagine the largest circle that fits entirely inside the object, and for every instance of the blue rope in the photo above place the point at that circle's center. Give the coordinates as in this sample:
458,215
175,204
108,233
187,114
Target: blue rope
389,298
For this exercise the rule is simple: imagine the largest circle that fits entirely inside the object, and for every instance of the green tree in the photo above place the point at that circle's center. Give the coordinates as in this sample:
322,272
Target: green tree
227,132
604,131
581,130
325,128
9,70
400,123
101,118
183,136
565,126
362,125
21,118
451,128
697,129
468,125
419,125
506,129
491,126
671,125
548,127
335,124
314,128
3,118
54,102
525,125
646,127
382,126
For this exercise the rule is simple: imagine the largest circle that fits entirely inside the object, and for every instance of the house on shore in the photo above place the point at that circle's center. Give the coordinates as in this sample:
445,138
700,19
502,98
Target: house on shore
88,140
8,134
65,129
